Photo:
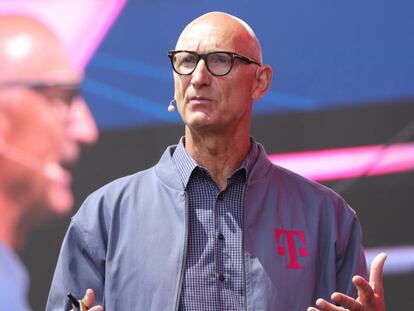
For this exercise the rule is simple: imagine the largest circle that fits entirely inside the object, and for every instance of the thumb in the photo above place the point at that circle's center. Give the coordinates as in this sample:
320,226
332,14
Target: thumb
376,273
89,298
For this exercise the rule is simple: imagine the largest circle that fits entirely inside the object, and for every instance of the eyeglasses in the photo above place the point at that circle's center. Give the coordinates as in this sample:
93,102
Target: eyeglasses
218,63
65,92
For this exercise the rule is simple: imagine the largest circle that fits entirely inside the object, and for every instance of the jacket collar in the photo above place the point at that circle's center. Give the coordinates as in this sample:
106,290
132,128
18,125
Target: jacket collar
169,175
261,166
166,170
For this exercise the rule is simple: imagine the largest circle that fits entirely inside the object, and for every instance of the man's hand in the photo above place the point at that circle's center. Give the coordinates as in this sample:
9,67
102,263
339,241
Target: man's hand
89,300
370,295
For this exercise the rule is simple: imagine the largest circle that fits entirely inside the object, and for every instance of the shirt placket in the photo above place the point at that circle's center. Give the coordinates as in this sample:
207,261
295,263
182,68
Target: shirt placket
228,250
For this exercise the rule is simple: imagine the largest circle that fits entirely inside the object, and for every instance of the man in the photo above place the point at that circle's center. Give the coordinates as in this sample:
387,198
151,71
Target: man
214,225
43,122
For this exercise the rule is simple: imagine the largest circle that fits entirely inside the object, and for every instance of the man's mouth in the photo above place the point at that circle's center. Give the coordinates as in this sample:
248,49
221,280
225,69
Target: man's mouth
199,100
58,173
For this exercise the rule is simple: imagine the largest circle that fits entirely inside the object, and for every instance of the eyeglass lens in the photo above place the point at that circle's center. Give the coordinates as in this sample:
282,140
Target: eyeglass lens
217,63
65,93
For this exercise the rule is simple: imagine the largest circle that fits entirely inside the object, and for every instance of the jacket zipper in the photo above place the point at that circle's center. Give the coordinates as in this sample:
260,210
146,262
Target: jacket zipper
243,252
177,304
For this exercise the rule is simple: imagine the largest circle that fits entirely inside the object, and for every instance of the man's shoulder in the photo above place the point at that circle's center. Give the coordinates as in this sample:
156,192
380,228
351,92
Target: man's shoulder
290,176
292,182
118,196
264,167
130,182
123,184
132,188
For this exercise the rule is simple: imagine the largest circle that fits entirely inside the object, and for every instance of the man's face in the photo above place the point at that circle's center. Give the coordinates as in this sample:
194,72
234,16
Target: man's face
47,131
47,126
33,138
214,103
78,128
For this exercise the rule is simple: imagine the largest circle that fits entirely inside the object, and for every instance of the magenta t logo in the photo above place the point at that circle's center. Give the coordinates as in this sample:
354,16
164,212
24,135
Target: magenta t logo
290,236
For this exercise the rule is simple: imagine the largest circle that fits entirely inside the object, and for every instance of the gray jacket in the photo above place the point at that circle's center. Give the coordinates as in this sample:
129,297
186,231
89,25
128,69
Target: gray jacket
301,241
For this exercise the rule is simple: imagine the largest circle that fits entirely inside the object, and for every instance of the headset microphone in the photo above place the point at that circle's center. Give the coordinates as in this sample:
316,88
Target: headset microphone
171,107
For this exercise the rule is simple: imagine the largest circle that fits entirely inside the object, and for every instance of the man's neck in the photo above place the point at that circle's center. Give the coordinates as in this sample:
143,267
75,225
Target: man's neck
10,235
220,154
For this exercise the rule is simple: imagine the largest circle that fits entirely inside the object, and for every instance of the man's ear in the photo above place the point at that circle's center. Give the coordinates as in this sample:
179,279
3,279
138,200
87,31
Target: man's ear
262,82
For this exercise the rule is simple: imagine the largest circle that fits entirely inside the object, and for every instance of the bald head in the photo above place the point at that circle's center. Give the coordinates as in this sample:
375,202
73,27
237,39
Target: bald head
30,51
229,29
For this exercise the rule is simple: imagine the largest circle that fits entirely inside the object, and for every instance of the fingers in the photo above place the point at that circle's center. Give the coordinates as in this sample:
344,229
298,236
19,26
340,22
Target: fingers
376,273
346,302
365,291
323,305
89,298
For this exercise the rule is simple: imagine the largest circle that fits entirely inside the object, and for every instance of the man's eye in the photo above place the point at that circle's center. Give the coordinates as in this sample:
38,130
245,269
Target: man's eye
219,59
187,60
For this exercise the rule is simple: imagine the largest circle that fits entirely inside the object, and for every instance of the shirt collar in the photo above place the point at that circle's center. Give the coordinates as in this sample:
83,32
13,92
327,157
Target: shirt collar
185,164
13,271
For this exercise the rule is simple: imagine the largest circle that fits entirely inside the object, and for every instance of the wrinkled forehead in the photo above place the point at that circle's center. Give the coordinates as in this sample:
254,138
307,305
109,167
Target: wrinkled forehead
219,33
203,35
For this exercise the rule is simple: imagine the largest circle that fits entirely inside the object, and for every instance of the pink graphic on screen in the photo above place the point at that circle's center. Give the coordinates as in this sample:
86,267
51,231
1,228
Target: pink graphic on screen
76,23
331,164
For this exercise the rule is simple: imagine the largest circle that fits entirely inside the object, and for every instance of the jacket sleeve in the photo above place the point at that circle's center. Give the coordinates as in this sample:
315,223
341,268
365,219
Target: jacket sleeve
81,262
350,258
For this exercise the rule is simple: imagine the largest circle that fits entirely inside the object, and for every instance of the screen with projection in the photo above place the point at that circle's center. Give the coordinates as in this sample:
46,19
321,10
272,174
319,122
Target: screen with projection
340,111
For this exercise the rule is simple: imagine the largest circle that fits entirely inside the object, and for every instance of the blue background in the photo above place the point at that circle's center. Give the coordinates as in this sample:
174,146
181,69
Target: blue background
325,54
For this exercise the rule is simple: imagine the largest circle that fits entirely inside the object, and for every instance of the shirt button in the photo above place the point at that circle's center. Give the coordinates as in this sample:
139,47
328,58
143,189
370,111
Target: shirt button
221,278
220,197
221,236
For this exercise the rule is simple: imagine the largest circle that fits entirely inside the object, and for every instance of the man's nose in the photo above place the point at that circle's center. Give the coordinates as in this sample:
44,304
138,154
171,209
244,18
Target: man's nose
200,76
81,126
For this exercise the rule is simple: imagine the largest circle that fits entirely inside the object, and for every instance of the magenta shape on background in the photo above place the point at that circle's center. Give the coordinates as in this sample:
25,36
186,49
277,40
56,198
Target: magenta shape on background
75,22
342,163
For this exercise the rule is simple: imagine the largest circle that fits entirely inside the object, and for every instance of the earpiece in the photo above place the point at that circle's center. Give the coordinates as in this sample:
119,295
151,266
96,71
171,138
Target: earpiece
171,107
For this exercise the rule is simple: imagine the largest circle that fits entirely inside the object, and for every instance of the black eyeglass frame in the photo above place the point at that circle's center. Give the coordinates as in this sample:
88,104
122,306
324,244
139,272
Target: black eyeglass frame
73,89
204,56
